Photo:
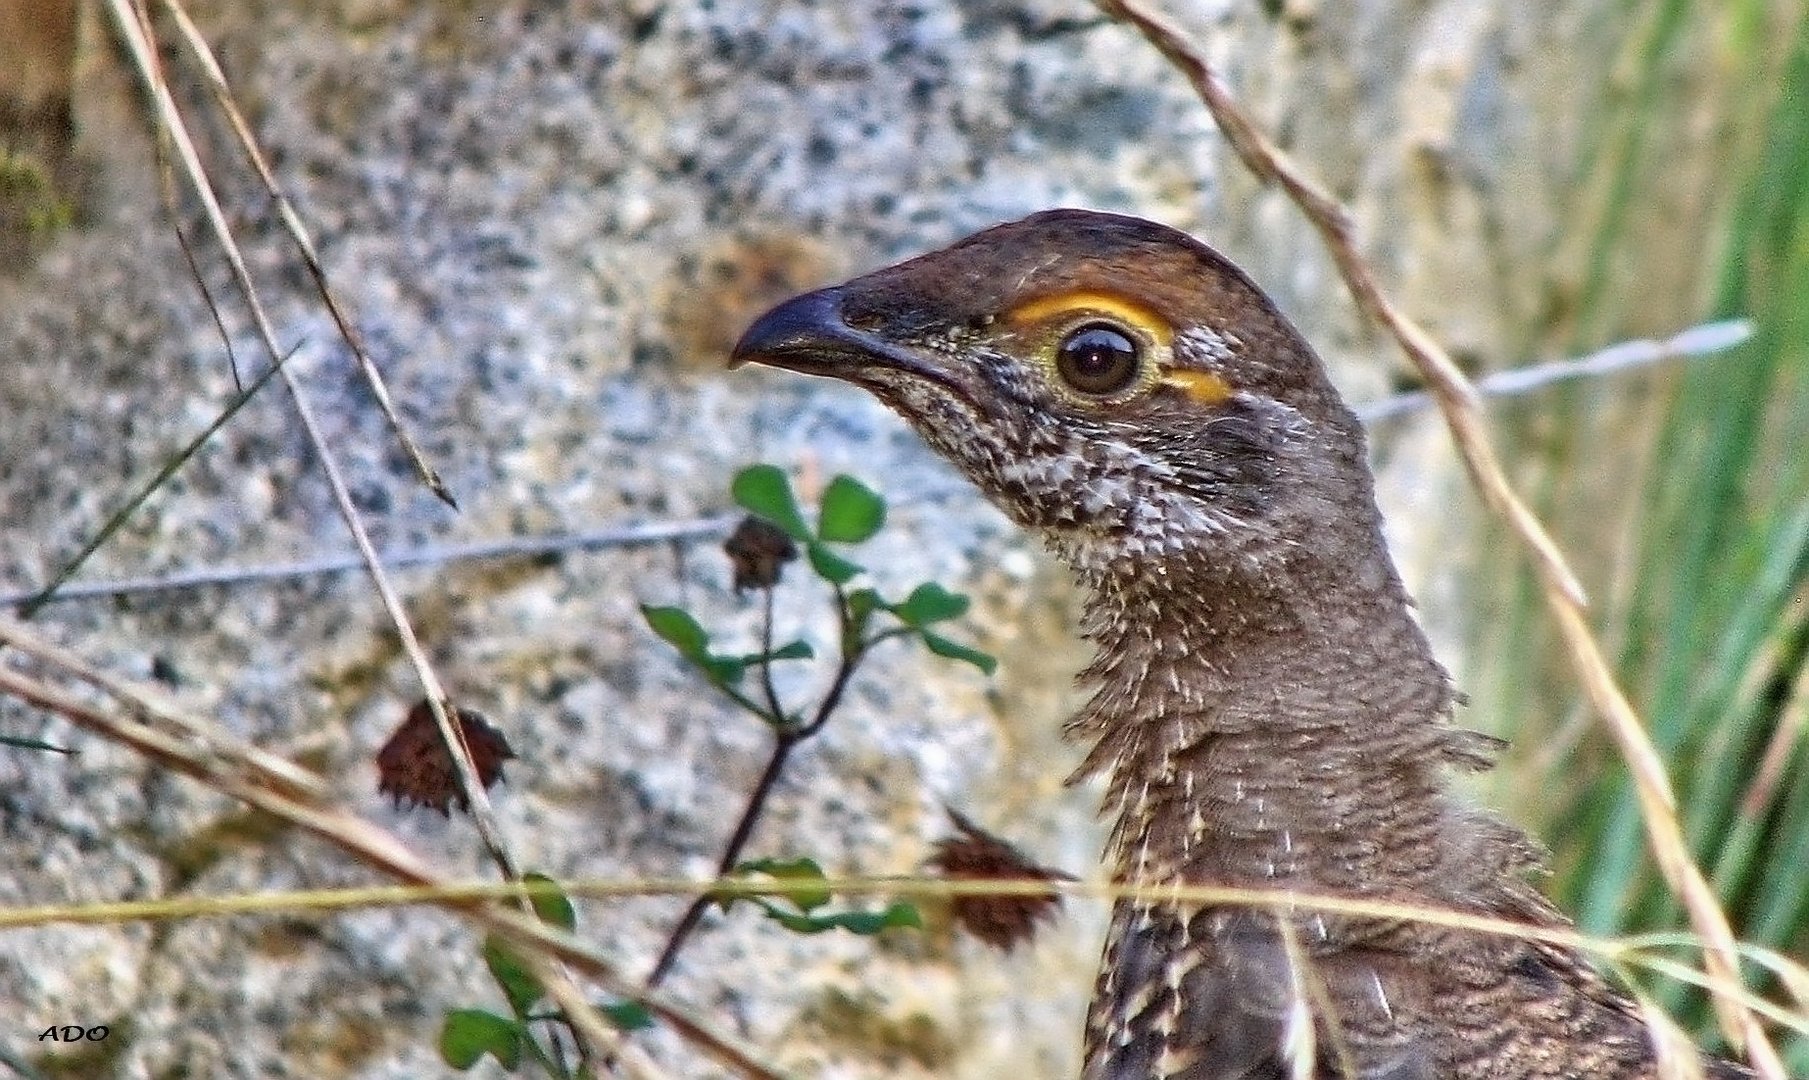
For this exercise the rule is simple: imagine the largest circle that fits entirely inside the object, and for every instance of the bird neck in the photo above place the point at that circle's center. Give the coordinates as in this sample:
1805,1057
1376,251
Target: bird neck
1271,725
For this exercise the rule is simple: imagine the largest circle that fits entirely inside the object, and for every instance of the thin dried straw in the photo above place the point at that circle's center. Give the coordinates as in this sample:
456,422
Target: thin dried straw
170,737
1563,593
135,28
1696,342
292,223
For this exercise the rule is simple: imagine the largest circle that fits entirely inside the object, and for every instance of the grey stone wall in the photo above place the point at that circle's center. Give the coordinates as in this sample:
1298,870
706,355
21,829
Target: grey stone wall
551,219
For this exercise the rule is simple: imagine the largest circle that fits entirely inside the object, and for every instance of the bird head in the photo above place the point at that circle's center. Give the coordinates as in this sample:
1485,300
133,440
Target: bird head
1111,382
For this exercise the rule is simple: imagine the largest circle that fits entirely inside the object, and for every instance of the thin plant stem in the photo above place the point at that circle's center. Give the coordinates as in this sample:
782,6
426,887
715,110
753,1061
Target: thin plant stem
291,221
783,744
766,650
787,736
169,468
164,734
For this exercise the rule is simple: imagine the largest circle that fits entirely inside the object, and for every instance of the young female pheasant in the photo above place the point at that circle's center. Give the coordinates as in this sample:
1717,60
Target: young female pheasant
1266,708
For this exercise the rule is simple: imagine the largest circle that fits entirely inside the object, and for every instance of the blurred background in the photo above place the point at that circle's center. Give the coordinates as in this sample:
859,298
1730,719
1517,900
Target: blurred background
552,219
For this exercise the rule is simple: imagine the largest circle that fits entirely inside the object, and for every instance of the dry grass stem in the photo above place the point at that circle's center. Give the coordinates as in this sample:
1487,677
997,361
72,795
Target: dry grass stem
603,1042
1678,1058
291,221
1696,342
134,26
1308,998
729,887
150,704
1563,593
1793,719
1793,1019
1626,954
292,794
1634,952
31,603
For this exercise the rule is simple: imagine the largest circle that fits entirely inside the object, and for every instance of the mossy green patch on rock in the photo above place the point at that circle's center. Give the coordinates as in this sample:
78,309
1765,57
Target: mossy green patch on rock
861,1024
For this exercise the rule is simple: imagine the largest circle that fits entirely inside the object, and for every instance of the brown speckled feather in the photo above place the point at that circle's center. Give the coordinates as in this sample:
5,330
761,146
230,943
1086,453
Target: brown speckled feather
1265,708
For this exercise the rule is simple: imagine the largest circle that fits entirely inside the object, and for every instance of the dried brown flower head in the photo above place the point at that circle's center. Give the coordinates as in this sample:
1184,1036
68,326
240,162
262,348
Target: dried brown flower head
414,768
1004,922
758,550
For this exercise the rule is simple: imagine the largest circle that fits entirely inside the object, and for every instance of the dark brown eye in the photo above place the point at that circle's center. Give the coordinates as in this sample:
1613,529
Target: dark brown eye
1097,358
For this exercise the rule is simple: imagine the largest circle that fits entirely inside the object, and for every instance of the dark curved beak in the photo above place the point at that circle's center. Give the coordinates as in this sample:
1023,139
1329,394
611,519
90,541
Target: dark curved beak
808,334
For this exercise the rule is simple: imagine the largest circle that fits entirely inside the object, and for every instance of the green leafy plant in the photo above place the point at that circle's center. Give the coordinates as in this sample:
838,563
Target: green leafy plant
848,513
797,907
467,1035
799,898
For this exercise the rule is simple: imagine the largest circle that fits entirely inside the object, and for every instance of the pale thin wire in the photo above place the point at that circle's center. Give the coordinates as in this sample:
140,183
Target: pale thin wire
635,535
1707,339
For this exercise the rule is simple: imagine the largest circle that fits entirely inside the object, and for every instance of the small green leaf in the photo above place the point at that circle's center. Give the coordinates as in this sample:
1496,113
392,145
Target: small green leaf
868,923
930,603
23,743
830,566
942,646
550,902
864,923
862,603
679,629
469,1034
627,1015
796,923
764,491
792,871
851,512
722,670
791,650
511,974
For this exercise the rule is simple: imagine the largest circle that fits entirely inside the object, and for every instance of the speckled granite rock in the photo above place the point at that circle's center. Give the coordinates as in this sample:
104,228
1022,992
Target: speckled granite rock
550,220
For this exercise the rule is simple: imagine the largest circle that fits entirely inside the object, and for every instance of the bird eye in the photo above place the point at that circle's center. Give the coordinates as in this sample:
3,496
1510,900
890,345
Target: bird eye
1097,358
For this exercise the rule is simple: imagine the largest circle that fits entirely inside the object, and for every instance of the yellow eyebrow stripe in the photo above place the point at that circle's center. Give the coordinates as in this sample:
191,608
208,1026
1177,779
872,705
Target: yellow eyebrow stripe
1083,301
1203,387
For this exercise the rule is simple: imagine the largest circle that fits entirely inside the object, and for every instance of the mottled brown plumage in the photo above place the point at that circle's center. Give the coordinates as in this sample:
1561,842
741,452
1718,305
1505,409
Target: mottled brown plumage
1264,705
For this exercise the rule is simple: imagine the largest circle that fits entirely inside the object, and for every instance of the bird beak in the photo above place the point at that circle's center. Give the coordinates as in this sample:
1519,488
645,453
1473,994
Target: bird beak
807,334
